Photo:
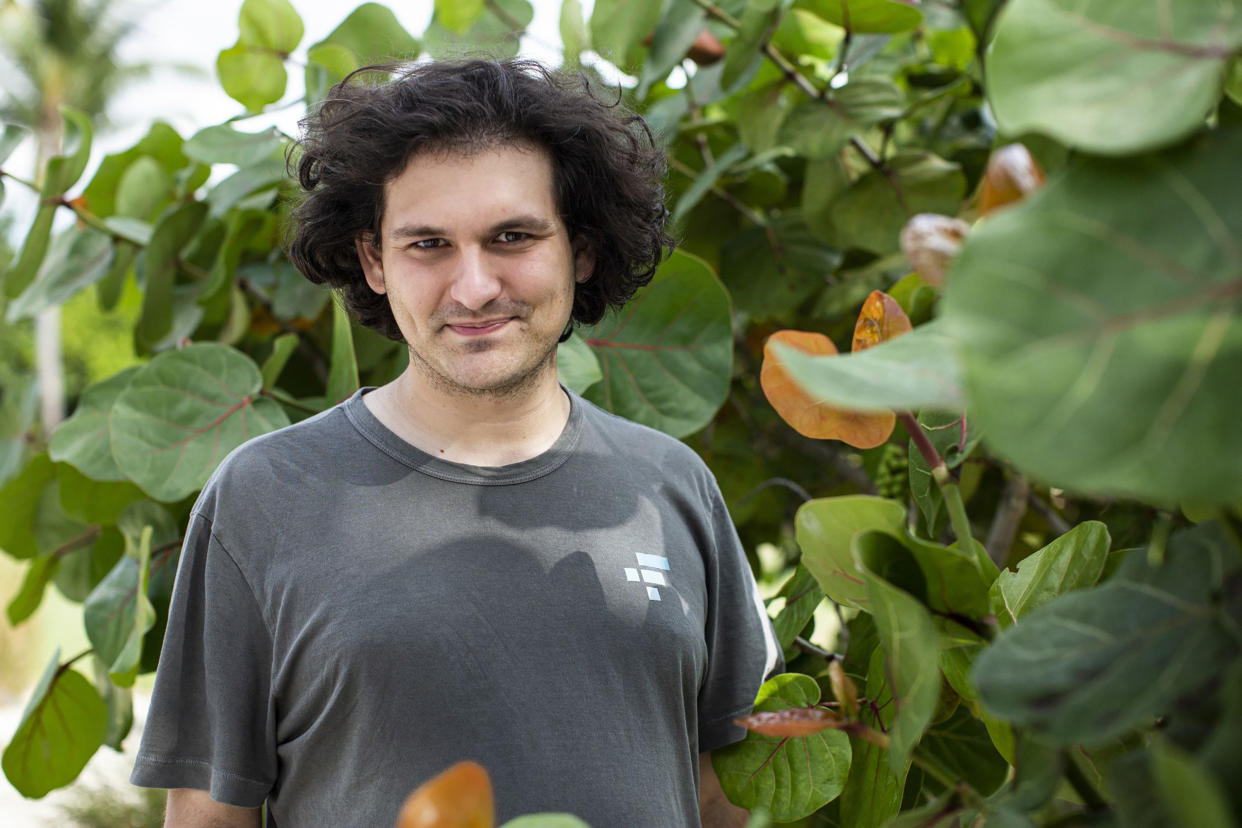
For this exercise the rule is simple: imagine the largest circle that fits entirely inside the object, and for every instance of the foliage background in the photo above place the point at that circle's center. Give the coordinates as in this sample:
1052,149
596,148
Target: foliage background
1073,378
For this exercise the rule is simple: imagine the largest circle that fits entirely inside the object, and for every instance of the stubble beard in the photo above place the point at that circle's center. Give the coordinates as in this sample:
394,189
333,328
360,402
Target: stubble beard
508,388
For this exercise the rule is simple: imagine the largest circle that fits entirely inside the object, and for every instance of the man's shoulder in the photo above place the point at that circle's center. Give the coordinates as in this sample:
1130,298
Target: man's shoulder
637,441
282,454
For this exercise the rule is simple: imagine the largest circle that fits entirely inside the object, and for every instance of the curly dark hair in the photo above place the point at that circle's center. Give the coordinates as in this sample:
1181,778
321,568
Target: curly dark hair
608,169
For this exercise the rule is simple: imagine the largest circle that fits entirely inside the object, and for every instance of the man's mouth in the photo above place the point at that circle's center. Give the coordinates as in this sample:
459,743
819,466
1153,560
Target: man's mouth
479,328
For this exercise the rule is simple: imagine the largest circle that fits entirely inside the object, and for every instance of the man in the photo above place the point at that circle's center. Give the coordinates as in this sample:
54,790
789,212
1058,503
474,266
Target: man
468,562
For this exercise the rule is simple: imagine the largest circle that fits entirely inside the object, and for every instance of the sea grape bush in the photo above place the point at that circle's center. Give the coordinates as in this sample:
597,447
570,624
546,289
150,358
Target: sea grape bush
981,256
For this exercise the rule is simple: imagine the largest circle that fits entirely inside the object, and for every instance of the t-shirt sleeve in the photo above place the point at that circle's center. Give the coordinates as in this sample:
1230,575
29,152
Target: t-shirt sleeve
211,721
742,651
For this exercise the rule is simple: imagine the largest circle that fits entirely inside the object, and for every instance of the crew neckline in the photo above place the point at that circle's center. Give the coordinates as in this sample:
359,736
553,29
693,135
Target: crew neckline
387,441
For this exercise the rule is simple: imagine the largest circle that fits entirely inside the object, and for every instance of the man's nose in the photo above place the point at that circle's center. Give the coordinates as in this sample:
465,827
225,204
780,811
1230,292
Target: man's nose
476,281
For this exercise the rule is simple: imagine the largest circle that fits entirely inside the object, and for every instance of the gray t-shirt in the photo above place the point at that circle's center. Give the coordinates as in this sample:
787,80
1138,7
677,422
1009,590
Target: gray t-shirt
352,615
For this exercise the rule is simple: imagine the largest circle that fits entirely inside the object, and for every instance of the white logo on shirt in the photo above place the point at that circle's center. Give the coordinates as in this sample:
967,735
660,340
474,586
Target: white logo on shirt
648,572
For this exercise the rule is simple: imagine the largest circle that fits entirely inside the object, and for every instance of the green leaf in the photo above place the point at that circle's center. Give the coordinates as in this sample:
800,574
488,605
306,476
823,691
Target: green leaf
791,777
34,583
1094,664
911,659
118,613
546,821
92,501
1073,561
771,270
961,746
20,497
497,32
668,355
82,569
77,258
819,129
870,213
270,24
224,145
185,410
618,28
34,248
761,112
11,135
868,16
1068,69
373,34
576,364
252,78
956,583
64,724
142,190
909,372
326,65
801,594
247,181
459,15
283,347
161,259
758,22
1191,794
575,39
161,143
83,440
1098,323
825,530
120,702
706,179
343,372
64,170
872,794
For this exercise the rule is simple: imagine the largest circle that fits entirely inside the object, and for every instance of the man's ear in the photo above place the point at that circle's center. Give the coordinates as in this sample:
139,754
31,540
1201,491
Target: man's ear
372,263
584,260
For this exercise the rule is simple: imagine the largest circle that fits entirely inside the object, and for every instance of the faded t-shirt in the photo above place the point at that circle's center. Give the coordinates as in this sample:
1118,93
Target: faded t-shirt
351,616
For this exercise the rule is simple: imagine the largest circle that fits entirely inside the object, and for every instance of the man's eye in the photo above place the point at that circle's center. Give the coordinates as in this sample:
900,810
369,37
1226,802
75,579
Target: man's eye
428,244
511,236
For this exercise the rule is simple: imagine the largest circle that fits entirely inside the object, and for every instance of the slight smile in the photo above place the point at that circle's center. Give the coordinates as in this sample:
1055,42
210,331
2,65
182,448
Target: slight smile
481,328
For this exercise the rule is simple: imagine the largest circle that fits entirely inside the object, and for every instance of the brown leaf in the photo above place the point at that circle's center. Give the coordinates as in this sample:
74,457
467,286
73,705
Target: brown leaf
808,416
930,242
706,49
1011,175
880,319
800,721
843,689
460,797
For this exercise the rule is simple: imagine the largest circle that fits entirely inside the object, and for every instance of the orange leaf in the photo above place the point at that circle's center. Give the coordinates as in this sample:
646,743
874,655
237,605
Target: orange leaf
930,243
784,724
880,319
1011,175
460,797
807,415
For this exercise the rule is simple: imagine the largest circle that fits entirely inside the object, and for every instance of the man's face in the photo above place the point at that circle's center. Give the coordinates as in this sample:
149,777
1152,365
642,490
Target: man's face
477,266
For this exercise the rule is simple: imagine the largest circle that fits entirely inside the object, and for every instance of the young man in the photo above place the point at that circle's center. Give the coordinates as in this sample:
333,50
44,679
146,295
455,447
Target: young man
468,562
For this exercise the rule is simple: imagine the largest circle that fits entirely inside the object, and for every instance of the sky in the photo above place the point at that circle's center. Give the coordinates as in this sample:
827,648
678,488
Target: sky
181,39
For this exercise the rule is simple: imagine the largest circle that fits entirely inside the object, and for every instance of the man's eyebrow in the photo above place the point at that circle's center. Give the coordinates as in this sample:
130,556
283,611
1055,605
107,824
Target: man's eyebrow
539,224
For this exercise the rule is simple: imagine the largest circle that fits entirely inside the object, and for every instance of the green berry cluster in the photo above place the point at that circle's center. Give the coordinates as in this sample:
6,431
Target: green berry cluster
892,473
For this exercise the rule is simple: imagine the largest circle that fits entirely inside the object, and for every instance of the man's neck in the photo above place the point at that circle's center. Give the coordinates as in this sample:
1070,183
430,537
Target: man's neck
476,429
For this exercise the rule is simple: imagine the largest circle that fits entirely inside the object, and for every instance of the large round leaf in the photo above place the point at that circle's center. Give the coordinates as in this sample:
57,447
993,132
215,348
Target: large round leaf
785,776
826,527
667,356
183,412
1099,325
64,724
1111,76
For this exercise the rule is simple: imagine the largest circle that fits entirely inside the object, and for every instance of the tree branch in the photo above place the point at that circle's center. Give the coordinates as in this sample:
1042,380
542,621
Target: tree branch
1009,514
